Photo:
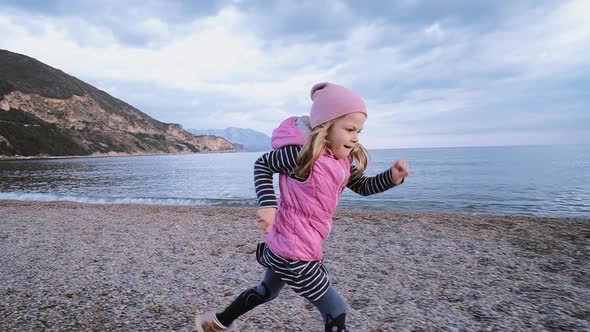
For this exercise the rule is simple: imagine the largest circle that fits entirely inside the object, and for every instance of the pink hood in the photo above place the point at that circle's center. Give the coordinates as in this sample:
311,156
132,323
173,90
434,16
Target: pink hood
292,131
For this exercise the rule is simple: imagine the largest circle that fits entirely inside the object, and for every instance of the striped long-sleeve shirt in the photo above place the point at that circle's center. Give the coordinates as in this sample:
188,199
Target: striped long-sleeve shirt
284,160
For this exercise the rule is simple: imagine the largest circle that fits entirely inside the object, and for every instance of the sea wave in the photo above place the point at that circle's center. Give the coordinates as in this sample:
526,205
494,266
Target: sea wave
43,197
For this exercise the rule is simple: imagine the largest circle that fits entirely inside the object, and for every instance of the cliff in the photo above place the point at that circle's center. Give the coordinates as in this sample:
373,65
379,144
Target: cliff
46,112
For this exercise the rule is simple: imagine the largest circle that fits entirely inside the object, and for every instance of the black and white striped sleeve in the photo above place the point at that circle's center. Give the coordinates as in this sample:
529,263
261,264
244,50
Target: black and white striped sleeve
365,186
283,160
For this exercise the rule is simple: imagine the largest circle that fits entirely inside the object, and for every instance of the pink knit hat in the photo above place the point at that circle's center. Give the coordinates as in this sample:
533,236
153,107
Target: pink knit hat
331,101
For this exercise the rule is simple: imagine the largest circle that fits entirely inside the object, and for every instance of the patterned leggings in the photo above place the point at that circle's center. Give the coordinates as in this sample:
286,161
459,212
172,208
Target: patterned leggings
331,305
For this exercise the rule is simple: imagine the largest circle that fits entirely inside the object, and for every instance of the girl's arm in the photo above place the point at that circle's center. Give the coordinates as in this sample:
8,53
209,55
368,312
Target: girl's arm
365,185
283,160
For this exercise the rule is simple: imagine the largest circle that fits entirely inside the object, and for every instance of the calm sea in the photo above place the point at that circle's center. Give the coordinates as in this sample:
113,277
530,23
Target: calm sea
532,180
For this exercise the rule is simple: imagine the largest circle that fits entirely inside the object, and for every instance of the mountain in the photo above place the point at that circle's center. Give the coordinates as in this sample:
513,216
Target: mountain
250,139
46,112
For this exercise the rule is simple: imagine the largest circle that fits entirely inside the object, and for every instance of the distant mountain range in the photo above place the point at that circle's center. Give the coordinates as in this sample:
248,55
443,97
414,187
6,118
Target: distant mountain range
248,139
46,112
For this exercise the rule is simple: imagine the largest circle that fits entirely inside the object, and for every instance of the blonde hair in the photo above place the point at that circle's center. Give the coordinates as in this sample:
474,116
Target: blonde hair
315,145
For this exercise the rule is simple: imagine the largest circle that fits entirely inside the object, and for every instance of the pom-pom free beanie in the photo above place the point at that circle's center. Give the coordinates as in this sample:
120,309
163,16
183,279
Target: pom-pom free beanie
331,101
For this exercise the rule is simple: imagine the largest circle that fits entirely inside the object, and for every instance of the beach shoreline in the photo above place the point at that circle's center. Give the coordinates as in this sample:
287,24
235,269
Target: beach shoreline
108,155
73,266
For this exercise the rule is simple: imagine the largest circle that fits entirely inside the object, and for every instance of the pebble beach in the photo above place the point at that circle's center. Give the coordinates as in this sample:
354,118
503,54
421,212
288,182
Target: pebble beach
85,267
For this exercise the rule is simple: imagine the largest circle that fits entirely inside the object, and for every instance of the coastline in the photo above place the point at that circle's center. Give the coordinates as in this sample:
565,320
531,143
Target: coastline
72,266
110,154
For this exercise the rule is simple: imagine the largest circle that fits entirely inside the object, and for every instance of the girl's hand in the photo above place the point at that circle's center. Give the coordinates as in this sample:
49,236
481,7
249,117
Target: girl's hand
266,218
399,171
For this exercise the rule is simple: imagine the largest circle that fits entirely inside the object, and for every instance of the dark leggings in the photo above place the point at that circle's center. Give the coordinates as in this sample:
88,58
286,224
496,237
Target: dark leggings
331,305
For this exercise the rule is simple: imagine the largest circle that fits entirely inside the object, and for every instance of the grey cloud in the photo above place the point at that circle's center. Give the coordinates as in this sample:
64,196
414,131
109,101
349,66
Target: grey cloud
121,18
169,10
477,15
315,20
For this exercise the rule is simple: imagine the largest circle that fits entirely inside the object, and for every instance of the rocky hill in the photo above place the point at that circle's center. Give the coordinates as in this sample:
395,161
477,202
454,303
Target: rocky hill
249,139
46,112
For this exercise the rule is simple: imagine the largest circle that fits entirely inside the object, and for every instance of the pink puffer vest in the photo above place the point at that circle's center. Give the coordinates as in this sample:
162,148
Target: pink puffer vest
304,215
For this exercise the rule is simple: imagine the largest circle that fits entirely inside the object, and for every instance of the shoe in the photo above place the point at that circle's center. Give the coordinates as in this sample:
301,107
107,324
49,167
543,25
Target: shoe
208,322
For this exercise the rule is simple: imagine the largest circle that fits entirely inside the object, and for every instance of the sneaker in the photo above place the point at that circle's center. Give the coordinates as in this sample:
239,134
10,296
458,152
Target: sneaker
208,322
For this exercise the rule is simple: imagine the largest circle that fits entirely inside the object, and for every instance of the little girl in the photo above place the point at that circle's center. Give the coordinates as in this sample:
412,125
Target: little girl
317,156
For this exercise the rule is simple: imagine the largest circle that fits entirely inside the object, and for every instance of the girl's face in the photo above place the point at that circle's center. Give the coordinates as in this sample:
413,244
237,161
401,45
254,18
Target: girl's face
343,135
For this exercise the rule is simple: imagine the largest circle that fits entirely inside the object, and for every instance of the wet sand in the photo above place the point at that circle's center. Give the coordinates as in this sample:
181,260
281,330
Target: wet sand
82,267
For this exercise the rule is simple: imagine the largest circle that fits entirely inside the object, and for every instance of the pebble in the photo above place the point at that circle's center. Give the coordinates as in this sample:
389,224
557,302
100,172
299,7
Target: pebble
80,267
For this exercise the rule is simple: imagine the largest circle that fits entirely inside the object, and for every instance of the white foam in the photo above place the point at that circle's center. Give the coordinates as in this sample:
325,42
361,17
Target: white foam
43,197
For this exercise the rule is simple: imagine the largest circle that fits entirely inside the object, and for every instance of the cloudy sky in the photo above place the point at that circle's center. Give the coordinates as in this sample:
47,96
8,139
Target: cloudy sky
433,73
